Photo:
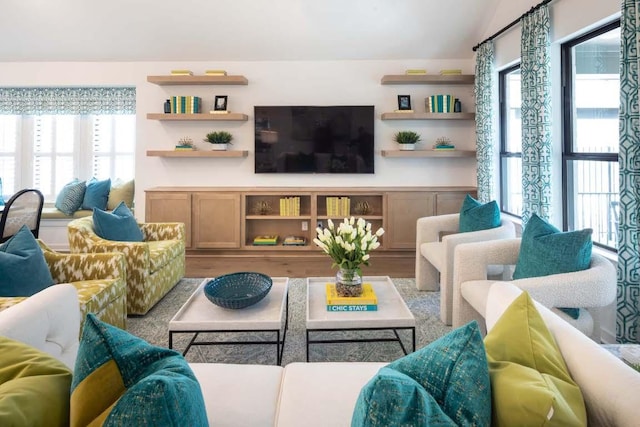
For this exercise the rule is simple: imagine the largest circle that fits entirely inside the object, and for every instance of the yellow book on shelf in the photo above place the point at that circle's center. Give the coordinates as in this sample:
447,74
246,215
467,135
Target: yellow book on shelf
451,72
215,72
416,71
181,72
368,296
403,111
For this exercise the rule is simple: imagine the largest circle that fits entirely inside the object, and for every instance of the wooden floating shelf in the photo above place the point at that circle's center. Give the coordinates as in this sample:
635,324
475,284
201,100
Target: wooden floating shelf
428,116
428,153
198,80
432,79
197,153
236,117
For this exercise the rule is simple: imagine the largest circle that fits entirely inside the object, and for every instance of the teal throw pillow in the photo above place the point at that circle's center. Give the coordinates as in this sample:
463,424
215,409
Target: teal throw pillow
23,269
70,197
475,216
121,380
545,250
445,383
97,194
119,225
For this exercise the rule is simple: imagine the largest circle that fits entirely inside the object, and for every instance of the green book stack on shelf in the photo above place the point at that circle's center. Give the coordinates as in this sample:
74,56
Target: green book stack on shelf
265,240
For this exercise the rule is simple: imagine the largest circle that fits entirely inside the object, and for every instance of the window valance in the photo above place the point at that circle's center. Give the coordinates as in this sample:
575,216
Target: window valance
67,100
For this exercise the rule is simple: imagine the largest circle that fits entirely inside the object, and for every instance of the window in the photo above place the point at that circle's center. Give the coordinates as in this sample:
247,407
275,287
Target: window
87,132
591,97
510,141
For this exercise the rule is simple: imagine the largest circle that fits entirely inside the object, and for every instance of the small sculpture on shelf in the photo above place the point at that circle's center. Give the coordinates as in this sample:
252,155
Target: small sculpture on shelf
443,143
262,207
185,144
362,208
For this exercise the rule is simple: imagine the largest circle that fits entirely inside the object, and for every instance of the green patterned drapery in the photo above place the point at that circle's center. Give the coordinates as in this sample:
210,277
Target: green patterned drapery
535,68
628,313
485,107
67,100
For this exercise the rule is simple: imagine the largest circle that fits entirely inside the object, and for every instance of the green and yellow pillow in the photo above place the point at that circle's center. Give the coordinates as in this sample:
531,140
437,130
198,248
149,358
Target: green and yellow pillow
120,379
530,382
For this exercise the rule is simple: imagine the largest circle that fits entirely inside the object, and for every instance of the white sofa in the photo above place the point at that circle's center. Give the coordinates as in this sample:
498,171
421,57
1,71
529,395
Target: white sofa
324,394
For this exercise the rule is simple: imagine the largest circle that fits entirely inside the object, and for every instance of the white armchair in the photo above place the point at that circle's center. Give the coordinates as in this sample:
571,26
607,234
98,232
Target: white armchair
435,245
589,290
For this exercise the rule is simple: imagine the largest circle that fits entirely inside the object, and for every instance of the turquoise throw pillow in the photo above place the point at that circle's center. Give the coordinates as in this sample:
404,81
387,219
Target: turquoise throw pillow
475,216
121,380
545,250
445,383
71,196
119,225
23,269
97,194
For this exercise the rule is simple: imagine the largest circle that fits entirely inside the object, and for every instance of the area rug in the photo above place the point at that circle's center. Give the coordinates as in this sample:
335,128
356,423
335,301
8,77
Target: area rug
425,307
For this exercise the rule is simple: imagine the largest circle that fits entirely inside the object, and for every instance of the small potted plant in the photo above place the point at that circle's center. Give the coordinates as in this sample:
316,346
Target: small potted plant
406,139
219,140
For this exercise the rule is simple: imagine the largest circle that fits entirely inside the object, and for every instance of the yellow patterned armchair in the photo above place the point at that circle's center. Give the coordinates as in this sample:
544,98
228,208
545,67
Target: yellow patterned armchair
154,266
99,279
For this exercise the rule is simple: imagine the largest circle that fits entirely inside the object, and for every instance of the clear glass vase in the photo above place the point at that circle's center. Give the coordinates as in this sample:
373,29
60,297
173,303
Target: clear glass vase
348,283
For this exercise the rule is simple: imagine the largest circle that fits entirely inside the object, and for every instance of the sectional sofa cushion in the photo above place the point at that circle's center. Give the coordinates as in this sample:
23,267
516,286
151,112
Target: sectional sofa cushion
23,269
120,379
28,376
119,225
70,197
444,383
530,382
97,194
475,216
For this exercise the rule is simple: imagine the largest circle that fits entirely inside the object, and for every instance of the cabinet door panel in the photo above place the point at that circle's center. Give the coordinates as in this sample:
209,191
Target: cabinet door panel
216,220
170,207
448,203
404,209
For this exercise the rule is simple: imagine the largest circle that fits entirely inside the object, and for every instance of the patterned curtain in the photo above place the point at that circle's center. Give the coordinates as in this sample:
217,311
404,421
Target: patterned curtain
535,68
485,107
628,313
67,100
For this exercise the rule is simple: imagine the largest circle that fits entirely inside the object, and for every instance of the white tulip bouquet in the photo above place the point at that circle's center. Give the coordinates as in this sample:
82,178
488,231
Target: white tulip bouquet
349,244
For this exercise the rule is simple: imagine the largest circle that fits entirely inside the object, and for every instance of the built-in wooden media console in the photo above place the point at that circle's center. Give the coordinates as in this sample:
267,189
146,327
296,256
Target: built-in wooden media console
221,223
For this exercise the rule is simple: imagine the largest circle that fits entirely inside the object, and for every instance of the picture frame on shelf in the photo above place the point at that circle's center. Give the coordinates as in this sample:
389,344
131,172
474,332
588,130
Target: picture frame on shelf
220,103
404,102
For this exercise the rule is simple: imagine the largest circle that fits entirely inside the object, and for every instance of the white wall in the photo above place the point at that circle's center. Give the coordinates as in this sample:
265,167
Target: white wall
271,83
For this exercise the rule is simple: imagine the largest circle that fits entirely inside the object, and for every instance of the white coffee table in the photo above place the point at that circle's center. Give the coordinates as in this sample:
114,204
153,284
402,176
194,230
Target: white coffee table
199,315
392,314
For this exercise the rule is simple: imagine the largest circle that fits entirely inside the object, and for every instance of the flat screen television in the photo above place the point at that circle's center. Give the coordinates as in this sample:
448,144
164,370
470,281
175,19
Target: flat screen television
314,139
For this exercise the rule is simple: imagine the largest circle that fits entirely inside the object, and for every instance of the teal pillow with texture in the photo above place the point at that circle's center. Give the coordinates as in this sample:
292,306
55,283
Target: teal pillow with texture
475,216
545,250
119,225
121,380
97,194
445,383
23,269
70,197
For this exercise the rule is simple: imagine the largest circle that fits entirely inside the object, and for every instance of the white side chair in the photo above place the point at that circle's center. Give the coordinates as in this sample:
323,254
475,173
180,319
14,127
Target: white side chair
589,290
435,245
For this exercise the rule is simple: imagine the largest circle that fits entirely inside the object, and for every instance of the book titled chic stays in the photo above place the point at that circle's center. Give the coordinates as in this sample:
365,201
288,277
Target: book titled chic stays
368,301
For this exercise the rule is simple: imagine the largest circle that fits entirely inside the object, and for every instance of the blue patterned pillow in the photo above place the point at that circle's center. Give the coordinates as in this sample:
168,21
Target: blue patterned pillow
545,250
121,380
96,194
119,225
445,383
70,198
475,216
23,269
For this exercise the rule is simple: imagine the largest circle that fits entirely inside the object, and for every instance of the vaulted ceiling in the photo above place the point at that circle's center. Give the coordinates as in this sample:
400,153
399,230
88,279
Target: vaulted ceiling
241,30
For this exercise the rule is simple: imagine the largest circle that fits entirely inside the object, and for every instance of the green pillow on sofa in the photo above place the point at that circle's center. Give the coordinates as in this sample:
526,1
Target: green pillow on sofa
475,216
23,269
530,382
445,383
120,379
34,387
119,225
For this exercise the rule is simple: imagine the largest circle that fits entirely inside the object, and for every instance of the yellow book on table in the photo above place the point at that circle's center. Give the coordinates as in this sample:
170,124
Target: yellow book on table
368,296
